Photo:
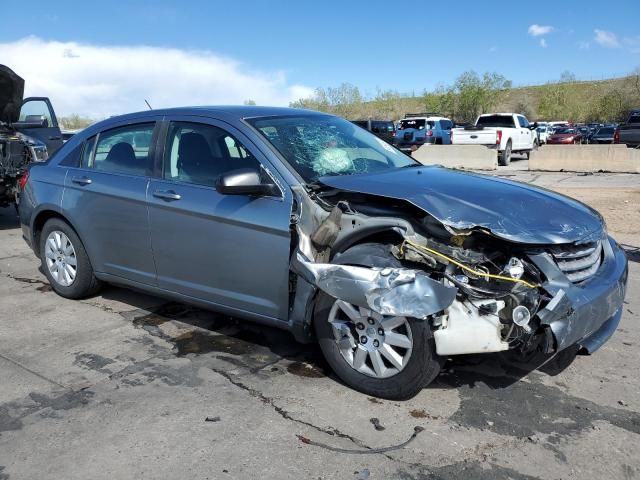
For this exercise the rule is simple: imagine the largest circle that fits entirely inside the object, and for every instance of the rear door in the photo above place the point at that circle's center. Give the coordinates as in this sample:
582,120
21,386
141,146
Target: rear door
231,250
525,138
35,109
105,198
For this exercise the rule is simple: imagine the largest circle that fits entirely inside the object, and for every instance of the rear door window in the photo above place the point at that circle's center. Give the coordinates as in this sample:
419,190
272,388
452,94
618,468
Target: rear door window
124,150
503,121
417,123
634,117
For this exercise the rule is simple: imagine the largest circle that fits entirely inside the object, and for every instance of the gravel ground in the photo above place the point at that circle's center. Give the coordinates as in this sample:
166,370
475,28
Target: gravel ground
124,385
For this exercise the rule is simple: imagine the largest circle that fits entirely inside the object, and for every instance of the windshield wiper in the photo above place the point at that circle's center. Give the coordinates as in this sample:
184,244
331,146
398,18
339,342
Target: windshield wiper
412,165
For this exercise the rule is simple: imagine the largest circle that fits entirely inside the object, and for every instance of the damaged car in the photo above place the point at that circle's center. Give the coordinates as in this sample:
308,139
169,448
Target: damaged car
303,221
29,133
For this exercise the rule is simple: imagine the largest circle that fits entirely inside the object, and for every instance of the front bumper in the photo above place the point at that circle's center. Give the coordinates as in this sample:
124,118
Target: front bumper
586,314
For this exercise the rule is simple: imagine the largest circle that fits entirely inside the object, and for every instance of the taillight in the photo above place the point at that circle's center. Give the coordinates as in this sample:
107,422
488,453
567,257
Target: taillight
498,137
22,181
429,133
616,136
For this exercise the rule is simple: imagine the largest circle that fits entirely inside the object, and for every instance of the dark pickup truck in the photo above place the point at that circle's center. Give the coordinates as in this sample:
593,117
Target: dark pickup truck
29,132
630,131
384,129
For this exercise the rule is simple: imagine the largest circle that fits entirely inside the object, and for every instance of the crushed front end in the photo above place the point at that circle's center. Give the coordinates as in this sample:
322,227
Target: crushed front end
479,292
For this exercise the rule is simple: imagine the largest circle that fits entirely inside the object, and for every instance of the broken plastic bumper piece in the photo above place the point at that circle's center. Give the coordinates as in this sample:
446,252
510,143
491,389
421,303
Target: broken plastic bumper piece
388,291
585,314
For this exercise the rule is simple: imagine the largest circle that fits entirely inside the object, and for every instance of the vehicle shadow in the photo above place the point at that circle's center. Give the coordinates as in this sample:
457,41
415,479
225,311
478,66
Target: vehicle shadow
243,343
633,253
9,218
203,332
498,370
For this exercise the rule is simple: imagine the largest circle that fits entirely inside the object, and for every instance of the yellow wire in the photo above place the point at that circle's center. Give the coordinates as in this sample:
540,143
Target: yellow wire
464,267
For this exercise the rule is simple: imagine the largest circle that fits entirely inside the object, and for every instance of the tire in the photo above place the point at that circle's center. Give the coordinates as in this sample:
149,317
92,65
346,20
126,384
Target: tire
423,364
505,158
84,283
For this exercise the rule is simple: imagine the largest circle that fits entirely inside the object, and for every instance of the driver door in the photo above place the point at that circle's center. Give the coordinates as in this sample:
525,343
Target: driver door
35,109
229,250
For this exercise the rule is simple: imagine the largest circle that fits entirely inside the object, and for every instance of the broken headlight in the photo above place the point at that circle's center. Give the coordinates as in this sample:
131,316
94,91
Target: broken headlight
39,152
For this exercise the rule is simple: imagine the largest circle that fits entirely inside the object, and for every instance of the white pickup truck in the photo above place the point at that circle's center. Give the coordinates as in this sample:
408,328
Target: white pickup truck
506,132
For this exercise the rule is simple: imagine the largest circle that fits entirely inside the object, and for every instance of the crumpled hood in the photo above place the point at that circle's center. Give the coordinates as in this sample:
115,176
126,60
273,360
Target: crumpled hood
11,93
511,210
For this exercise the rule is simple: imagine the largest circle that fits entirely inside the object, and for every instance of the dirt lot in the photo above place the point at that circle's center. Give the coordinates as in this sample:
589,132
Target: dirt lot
124,385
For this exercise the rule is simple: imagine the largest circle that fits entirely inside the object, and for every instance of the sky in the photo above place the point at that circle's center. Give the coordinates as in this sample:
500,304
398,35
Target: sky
105,58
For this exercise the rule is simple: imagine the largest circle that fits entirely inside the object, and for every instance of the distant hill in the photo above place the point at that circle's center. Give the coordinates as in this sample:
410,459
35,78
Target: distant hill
578,101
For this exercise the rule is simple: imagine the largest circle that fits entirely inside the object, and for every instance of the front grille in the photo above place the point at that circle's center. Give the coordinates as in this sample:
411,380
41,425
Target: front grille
578,262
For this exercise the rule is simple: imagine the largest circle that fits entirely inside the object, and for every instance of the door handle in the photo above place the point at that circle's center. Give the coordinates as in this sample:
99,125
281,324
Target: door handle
167,195
81,180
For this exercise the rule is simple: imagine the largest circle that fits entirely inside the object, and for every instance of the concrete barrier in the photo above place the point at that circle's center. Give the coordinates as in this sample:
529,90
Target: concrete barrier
586,158
471,157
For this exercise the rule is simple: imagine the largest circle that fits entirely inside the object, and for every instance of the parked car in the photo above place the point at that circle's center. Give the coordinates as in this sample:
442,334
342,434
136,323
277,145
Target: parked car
418,129
303,221
585,132
28,132
606,135
384,129
67,134
506,132
565,136
543,133
630,130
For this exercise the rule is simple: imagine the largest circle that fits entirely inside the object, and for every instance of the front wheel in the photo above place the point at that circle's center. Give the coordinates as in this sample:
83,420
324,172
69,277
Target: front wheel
385,356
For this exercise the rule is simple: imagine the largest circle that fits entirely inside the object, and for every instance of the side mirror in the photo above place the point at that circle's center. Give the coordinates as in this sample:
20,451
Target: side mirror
32,121
534,126
245,181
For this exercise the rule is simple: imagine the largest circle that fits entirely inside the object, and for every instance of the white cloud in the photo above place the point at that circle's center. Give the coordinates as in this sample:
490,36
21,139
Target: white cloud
99,81
584,45
536,30
543,43
606,39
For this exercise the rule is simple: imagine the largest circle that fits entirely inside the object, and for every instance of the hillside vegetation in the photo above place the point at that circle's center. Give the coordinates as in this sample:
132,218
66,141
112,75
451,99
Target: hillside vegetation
472,94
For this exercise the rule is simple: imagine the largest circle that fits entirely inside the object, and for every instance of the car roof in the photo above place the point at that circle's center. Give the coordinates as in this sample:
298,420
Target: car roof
236,112
425,118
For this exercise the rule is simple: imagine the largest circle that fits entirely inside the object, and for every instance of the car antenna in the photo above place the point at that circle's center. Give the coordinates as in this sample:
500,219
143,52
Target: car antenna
145,101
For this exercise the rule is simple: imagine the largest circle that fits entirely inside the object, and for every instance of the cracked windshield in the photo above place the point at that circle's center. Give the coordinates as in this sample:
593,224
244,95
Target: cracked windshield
318,145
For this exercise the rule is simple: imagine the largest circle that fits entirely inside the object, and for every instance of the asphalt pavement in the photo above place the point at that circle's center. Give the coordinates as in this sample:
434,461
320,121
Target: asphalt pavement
125,385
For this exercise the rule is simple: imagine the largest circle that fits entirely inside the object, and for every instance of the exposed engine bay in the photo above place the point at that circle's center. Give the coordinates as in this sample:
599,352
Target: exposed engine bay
17,151
480,293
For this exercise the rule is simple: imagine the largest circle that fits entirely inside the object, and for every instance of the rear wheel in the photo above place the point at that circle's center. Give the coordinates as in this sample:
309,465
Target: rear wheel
505,158
384,356
65,261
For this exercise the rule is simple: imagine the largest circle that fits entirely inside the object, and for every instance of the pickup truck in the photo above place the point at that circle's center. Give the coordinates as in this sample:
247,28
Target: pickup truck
29,132
630,131
506,132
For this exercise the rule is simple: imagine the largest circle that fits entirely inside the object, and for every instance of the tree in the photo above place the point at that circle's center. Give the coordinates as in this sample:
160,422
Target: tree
75,122
249,102
567,77
469,96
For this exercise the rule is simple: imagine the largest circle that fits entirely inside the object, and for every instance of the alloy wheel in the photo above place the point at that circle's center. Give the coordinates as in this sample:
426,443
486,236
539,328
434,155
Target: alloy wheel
61,258
372,344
